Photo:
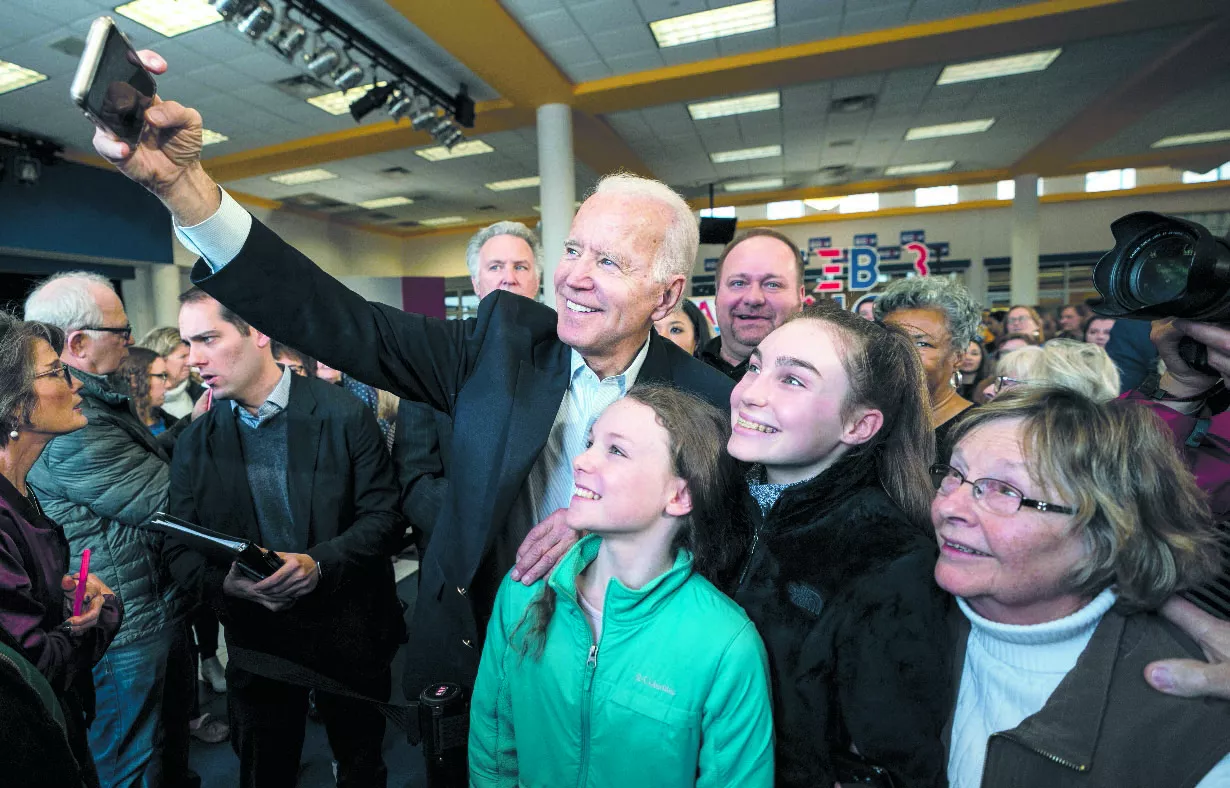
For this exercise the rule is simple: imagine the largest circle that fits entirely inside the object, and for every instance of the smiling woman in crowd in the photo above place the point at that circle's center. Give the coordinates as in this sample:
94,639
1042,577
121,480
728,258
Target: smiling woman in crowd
1058,552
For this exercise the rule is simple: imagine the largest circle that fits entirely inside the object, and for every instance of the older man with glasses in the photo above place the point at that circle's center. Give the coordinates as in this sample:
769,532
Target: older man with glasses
99,483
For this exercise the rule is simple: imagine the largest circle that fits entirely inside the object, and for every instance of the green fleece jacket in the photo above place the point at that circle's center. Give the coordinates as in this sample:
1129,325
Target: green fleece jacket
675,693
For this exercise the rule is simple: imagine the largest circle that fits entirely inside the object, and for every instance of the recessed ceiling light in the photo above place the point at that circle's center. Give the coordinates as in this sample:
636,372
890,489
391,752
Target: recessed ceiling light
717,23
13,76
302,176
338,102
170,17
751,185
442,220
949,129
385,202
210,137
467,148
823,204
743,154
742,105
998,67
515,183
919,169
1180,139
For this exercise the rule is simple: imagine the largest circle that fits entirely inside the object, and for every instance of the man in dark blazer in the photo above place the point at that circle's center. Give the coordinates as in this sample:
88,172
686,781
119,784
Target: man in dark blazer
299,467
521,382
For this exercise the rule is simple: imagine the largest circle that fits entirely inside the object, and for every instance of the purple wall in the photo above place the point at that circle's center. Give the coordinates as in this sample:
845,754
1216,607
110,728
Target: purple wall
423,295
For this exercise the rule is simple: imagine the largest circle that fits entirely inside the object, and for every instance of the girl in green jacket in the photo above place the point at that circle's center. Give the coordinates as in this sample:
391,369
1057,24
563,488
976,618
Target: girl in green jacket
626,667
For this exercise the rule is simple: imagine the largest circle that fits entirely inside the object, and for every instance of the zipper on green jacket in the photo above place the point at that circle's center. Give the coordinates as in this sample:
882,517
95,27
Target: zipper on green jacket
1078,767
587,702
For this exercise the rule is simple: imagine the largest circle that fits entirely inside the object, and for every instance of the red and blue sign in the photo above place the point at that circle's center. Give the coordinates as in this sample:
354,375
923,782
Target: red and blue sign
859,265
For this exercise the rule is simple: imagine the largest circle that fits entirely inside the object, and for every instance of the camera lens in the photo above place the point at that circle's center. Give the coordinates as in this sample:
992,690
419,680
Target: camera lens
1160,268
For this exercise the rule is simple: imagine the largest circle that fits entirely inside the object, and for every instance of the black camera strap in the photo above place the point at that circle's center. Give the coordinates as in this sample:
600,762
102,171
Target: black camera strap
404,715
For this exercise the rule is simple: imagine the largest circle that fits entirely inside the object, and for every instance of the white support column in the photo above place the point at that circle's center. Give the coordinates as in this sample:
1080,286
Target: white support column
557,191
166,289
976,280
1025,241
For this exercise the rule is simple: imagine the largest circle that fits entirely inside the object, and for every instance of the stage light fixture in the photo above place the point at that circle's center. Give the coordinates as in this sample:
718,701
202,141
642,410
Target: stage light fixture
229,9
289,39
400,106
422,116
349,77
322,62
257,21
371,100
26,169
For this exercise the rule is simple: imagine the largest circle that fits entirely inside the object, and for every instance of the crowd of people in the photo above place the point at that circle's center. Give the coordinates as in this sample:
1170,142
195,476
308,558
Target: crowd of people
922,543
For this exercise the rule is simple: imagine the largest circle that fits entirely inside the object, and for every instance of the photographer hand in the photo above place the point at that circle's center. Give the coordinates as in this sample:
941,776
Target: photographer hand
1190,678
167,159
1180,379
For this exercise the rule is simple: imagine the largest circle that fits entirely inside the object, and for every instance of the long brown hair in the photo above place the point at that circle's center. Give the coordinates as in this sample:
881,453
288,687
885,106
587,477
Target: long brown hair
886,373
698,434
131,377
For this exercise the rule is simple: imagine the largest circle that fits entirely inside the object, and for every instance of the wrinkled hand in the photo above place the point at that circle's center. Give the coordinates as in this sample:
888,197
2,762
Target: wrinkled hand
543,546
239,585
1190,678
203,404
296,576
1181,380
96,592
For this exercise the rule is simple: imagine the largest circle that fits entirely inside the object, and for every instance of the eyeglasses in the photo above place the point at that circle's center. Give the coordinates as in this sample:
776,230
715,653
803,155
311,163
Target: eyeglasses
1004,382
163,376
998,497
58,370
124,332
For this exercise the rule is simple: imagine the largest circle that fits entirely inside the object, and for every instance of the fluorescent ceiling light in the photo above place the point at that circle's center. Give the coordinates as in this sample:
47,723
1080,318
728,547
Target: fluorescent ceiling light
744,154
467,148
385,202
919,169
823,204
1165,142
717,23
751,185
303,176
949,129
338,102
170,17
742,105
998,67
515,183
13,76
209,137
442,220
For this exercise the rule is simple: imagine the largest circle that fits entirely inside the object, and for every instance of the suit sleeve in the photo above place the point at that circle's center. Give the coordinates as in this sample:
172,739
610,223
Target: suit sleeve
101,468
737,726
375,533
285,295
493,741
420,467
893,671
202,580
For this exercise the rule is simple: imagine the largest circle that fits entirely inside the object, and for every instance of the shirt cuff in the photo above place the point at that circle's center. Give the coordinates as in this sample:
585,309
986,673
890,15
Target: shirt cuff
218,239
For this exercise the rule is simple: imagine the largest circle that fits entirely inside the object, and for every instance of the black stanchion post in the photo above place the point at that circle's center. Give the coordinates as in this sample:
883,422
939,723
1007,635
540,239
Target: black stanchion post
444,720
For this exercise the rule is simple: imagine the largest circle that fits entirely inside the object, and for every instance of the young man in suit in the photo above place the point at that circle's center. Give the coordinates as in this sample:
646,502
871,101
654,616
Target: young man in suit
521,382
296,466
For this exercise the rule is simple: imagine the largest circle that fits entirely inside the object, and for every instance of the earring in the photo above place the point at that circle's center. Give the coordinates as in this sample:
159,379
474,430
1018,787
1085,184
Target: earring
955,382
13,434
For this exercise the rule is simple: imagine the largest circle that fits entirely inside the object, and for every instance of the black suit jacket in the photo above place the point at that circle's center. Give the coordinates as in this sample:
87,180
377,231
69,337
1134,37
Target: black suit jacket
342,491
422,448
500,376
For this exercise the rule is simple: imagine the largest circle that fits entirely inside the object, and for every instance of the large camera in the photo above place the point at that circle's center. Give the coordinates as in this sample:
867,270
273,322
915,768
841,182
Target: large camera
1164,266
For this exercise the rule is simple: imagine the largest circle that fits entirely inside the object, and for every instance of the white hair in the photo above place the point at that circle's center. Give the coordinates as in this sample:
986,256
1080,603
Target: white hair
677,253
65,301
1078,366
516,230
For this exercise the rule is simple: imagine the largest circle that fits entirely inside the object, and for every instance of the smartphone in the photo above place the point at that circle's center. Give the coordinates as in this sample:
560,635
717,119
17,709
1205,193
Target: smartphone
110,85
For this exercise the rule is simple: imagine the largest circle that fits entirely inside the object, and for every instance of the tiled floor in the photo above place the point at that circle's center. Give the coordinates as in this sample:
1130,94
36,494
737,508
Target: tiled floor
219,768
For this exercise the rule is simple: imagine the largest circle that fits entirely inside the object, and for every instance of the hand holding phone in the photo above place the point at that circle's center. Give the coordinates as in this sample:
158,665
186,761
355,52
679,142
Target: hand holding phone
111,85
82,576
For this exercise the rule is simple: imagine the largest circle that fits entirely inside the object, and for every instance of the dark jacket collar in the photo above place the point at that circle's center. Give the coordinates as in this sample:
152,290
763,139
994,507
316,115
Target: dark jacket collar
711,354
97,387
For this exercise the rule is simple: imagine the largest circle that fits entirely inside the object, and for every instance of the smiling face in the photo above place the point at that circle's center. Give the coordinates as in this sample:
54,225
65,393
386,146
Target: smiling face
786,412
58,406
678,329
758,290
1013,569
624,482
506,262
928,330
973,358
606,296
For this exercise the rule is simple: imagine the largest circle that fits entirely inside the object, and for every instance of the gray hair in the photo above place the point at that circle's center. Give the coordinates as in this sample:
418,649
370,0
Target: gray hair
1076,366
64,300
17,396
516,230
677,254
961,313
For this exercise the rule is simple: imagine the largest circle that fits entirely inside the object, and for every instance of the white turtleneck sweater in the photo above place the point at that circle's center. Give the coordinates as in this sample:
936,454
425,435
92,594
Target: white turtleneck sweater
177,402
1010,672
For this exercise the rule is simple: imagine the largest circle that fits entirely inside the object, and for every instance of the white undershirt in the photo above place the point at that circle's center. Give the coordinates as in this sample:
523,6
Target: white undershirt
1010,672
592,613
